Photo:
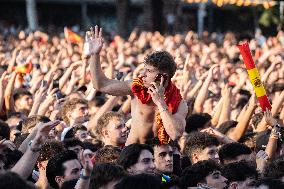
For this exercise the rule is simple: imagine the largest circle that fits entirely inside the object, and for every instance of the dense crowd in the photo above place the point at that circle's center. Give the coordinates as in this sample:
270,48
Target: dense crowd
151,111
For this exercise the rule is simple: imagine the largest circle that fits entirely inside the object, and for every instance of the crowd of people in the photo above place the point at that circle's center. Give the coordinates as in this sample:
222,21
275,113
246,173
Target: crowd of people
151,111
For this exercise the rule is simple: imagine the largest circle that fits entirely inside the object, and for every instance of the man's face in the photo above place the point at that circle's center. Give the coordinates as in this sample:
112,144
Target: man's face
115,132
163,156
77,149
249,182
72,171
216,180
80,114
149,75
25,102
82,135
210,152
145,164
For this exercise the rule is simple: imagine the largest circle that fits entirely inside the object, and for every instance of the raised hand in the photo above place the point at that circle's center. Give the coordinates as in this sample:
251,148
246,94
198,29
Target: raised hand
157,91
93,42
269,118
86,163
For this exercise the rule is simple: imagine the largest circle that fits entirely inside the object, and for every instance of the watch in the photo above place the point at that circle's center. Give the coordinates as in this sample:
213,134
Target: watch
33,149
83,176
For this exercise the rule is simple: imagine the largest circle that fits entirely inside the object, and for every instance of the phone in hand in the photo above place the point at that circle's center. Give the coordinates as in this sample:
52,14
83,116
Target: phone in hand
159,78
58,95
44,83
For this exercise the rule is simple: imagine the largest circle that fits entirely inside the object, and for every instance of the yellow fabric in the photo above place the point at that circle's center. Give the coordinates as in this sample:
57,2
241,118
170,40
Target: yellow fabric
256,82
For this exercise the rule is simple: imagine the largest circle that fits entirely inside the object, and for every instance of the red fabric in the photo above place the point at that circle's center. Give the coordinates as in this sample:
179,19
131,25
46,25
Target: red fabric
246,54
172,99
264,103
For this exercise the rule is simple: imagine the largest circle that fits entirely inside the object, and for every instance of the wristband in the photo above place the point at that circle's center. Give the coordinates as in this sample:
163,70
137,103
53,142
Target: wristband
82,176
33,149
163,110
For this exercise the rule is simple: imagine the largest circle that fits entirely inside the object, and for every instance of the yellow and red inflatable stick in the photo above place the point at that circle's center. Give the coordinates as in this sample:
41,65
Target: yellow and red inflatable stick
254,77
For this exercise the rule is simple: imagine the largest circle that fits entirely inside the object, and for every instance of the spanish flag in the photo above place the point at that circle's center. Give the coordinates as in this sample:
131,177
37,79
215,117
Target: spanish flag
254,77
24,68
72,36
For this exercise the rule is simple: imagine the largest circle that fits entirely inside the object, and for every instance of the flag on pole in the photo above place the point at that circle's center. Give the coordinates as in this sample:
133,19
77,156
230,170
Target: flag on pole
72,36
254,77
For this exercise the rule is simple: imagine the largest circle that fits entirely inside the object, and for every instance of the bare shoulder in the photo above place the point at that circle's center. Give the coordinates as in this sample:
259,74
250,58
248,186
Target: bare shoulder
182,109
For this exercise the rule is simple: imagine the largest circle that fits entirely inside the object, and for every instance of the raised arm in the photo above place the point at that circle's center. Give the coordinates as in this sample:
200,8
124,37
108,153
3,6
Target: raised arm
226,108
92,48
243,124
25,165
201,97
9,100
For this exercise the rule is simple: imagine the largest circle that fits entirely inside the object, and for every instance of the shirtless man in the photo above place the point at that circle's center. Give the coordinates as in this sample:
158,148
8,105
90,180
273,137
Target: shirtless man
144,113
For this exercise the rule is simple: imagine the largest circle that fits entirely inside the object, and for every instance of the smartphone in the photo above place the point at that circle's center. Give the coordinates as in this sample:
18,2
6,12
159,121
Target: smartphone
43,83
159,78
55,84
58,95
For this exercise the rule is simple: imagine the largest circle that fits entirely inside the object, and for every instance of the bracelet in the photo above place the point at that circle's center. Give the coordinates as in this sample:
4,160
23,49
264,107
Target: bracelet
33,149
82,176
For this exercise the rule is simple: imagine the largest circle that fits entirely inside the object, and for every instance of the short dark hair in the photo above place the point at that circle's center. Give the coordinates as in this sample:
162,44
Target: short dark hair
163,61
196,121
91,146
130,154
49,149
226,126
103,173
21,92
79,128
140,181
69,184
55,166
72,142
4,130
271,183
275,169
239,171
197,173
108,154
232,150
31,122
198,141
11,180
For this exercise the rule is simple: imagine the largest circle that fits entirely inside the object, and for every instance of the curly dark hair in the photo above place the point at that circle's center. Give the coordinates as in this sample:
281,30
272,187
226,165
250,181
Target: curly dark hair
196,173
198,141
55,166
107,154
130,154
103,173
239,171
49,149
232,150
163,61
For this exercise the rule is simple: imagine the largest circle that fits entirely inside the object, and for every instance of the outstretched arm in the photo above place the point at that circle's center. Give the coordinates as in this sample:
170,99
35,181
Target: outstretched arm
92,48
201,97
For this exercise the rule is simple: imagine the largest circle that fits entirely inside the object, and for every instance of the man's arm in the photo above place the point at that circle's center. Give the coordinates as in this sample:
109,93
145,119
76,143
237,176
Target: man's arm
174,123
99,80
226,108
243,124
26,164
201,97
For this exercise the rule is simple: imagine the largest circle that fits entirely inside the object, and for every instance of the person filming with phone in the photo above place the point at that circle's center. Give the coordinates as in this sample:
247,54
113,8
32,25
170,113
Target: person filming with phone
157,108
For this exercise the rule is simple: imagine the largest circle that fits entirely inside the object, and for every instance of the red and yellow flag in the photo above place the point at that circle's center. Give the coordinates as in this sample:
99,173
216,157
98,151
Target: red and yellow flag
254,77
72,36
24,68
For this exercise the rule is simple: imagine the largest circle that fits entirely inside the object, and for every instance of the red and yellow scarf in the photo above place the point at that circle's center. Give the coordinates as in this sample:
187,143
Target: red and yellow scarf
172,99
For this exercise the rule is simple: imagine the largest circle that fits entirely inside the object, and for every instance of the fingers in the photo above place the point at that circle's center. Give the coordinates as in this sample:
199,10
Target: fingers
96,31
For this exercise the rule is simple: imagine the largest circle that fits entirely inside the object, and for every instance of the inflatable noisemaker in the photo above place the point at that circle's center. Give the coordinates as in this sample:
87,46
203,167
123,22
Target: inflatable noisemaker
254,77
